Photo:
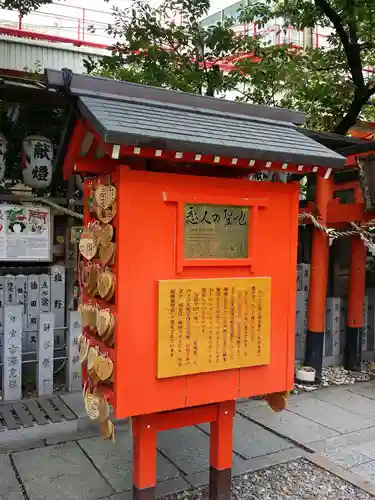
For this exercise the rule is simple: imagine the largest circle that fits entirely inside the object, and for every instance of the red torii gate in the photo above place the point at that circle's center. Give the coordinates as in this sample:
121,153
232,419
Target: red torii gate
331,213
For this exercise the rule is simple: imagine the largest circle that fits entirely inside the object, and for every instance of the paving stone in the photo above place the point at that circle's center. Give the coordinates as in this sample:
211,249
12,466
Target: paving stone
366,470
347,400
290,425
169,487
114,460
74,401
250,440
352,440
188,448
345,456
60,472
174,485
126,495
367,448
9,486
329,415
366,389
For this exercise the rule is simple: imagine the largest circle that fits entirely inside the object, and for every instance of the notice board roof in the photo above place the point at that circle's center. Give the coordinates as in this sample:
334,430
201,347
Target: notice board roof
124,113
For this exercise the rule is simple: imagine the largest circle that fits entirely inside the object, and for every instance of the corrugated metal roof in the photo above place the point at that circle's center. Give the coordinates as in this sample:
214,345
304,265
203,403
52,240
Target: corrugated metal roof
20,54
139,122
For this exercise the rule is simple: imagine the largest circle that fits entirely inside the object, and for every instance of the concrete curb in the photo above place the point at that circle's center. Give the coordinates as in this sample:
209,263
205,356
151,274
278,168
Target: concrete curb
340,472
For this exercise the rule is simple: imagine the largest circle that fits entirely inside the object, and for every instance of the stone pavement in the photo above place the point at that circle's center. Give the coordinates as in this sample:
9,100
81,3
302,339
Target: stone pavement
334,426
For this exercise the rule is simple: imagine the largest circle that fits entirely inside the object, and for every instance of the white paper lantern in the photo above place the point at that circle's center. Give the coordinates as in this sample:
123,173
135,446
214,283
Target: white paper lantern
37,158
3,150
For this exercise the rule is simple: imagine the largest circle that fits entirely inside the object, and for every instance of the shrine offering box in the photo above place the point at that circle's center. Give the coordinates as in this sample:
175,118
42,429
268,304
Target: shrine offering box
205,289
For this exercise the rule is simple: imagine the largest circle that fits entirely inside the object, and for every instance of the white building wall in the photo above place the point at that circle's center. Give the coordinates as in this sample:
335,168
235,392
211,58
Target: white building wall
22,55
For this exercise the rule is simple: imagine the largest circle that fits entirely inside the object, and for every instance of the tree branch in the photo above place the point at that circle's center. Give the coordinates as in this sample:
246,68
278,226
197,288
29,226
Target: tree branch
350,119
351,48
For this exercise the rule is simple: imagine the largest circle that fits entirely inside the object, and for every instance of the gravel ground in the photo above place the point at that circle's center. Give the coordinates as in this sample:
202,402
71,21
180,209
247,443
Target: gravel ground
296,480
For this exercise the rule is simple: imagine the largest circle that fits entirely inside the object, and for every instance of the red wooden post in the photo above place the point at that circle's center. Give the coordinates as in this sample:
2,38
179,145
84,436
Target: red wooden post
318,280
356,303
144,457
221,444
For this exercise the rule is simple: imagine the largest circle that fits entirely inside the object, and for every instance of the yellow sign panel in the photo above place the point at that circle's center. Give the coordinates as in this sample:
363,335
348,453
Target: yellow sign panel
208,325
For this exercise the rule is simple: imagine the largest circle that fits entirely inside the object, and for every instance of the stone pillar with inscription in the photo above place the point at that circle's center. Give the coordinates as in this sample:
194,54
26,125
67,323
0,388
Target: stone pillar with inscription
33,302
12,352
58,302
10,289
74,370
45,293
45,355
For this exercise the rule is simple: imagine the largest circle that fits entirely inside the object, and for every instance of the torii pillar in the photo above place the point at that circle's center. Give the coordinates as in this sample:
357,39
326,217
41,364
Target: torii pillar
318,279
356,305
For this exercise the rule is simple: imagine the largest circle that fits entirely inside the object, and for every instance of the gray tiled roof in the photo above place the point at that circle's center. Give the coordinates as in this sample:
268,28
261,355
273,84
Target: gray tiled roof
160,125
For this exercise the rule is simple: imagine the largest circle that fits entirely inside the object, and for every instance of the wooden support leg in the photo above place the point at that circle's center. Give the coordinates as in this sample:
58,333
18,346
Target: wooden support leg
144,457
221,443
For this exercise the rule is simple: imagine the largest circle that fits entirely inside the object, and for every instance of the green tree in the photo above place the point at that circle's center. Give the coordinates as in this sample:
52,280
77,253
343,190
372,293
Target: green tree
166,46
23,6
329,83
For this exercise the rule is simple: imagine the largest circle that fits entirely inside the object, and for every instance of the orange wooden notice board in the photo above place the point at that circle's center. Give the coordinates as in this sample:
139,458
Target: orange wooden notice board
205,290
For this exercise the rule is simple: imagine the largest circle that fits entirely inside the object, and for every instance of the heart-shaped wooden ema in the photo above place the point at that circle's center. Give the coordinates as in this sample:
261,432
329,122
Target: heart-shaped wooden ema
105,283
111,292
87,246
85,313
85,276
91,357
103,368
84,350
105,215
113,260
93,280
103,321
103,410
105,195
106,429
92,407
107,338
106,253
91,317
107,235
96,230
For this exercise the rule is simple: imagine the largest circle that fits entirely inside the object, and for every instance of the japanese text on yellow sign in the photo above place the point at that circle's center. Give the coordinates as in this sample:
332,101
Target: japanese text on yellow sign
213,324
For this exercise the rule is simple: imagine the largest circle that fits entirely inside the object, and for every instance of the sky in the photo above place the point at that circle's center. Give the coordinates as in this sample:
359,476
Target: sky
65,17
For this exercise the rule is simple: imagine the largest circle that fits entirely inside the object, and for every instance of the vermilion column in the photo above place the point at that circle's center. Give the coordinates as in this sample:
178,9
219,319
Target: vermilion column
221,446
144,457
318,279
356,305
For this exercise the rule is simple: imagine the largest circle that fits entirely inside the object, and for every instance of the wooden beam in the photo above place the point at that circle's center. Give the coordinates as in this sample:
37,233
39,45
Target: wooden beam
73,149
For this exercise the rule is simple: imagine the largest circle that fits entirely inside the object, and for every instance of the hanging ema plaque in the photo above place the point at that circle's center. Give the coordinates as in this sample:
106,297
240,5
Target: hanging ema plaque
213,324
215,232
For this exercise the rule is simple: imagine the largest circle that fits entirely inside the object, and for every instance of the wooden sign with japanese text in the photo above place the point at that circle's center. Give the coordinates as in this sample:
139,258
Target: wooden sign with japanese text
207,325
215,232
